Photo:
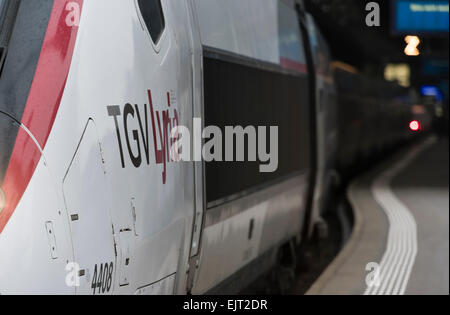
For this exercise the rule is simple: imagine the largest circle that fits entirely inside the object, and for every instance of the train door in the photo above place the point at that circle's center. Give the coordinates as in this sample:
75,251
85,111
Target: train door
313,139
86,200
325,127
253,73
148,95
197,108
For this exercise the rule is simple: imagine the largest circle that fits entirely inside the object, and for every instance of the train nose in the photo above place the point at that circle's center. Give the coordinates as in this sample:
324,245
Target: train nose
9,129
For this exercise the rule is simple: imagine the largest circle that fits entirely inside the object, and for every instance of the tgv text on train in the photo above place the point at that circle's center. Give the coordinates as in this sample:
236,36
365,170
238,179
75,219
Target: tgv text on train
172,142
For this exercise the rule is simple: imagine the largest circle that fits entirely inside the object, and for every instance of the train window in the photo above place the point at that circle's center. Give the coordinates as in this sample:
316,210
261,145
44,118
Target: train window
2,5
244,94
292,55
153,16
8,12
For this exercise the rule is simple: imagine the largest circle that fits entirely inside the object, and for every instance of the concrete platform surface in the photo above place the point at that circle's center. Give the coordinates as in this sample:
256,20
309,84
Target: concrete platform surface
400,241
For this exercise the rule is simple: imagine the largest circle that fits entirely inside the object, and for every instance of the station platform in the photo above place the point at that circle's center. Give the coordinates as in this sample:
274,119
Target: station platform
400,239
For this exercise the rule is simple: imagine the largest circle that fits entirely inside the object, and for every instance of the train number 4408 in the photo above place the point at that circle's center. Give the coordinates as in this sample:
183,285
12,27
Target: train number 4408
102,279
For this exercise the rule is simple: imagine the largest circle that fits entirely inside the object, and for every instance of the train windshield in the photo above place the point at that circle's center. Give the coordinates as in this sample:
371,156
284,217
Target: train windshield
23,24
8,14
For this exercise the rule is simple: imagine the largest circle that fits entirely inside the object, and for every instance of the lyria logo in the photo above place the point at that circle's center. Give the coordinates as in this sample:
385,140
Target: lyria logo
136,142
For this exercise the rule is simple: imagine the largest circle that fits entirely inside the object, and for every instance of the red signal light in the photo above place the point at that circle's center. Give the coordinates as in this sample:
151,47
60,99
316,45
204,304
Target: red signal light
414,125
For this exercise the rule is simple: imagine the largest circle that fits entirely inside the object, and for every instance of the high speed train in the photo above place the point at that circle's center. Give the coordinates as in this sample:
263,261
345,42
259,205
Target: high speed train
91,202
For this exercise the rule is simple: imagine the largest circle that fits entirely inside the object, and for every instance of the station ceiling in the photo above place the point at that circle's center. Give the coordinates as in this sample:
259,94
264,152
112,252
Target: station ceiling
369,48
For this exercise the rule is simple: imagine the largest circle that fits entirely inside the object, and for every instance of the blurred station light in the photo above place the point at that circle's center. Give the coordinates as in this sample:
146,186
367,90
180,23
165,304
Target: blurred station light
343,66
420,16
413,42
431,90
418,110
414,125
398,72
439,111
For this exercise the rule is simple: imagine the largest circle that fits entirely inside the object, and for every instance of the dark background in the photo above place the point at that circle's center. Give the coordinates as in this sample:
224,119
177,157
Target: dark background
369,49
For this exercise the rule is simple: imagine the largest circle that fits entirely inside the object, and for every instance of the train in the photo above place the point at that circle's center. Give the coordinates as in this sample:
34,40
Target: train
92,200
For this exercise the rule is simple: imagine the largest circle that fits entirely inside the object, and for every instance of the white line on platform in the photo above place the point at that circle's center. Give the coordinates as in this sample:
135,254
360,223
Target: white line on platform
401,248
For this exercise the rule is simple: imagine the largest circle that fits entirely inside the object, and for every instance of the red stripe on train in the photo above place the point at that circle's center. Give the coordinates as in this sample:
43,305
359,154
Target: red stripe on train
293,65
42,104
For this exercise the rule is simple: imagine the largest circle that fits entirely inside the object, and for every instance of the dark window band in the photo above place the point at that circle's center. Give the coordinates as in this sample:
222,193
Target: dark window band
242,94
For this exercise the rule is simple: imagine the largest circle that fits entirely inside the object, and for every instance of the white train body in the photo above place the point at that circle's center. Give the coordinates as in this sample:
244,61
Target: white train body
93,204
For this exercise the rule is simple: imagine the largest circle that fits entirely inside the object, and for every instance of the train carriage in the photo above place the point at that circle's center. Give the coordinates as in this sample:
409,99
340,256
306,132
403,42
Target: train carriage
93,199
